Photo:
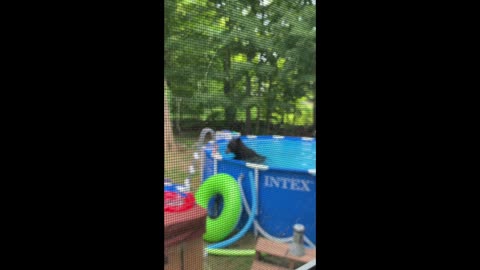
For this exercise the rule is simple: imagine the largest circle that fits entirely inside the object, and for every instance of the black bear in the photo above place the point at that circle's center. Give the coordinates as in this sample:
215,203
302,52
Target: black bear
242,152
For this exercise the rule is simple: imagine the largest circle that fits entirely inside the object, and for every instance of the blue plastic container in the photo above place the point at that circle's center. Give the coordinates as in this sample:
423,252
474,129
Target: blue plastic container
169,186
286,190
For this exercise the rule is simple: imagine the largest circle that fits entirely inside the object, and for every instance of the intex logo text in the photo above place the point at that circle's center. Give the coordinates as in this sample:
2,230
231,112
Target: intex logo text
287,183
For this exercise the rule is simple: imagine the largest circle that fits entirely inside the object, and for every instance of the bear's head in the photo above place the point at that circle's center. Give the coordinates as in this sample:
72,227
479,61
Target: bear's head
234,145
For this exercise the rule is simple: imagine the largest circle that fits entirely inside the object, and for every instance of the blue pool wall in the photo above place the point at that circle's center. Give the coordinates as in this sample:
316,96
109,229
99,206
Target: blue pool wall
286,196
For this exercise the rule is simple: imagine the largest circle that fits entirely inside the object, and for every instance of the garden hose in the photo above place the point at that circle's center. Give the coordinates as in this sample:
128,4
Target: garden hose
204,197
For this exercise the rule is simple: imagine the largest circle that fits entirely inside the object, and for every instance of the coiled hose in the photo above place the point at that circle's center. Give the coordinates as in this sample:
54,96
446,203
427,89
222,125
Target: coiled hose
215,249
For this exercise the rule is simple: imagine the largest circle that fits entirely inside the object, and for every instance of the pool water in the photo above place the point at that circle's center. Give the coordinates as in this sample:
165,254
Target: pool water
287,153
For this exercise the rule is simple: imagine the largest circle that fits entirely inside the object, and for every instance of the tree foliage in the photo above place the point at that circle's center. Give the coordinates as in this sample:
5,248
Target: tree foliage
241,56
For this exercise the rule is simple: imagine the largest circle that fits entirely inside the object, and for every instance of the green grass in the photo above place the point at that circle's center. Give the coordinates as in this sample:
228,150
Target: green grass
240,262
233,262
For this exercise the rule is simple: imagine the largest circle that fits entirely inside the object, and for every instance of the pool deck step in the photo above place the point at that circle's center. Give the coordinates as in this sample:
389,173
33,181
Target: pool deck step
259,265
280,250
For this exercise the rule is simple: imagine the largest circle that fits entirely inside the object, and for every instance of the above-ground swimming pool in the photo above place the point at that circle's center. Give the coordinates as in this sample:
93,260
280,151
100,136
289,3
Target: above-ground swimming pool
286,181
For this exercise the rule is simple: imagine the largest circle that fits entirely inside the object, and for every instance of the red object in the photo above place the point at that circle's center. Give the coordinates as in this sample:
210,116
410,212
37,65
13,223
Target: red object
175,202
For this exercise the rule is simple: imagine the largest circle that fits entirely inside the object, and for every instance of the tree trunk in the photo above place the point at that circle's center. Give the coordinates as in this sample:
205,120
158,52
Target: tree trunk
248,83
315,104
315,89
248,124
230,111
179,114
259,108
294,113
169,141
257,129
270,102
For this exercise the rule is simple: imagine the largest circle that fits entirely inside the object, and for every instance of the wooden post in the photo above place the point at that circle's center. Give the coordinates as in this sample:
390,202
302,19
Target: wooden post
169,141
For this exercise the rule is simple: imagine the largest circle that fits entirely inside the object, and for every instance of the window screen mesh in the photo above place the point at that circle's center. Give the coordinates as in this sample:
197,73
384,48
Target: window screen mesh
239,69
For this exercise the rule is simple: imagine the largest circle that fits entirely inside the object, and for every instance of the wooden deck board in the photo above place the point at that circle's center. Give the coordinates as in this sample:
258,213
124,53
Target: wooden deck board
281,250
271,248
258,265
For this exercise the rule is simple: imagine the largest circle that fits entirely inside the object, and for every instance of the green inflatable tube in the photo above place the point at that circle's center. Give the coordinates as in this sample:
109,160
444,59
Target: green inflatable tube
232,252
225,185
